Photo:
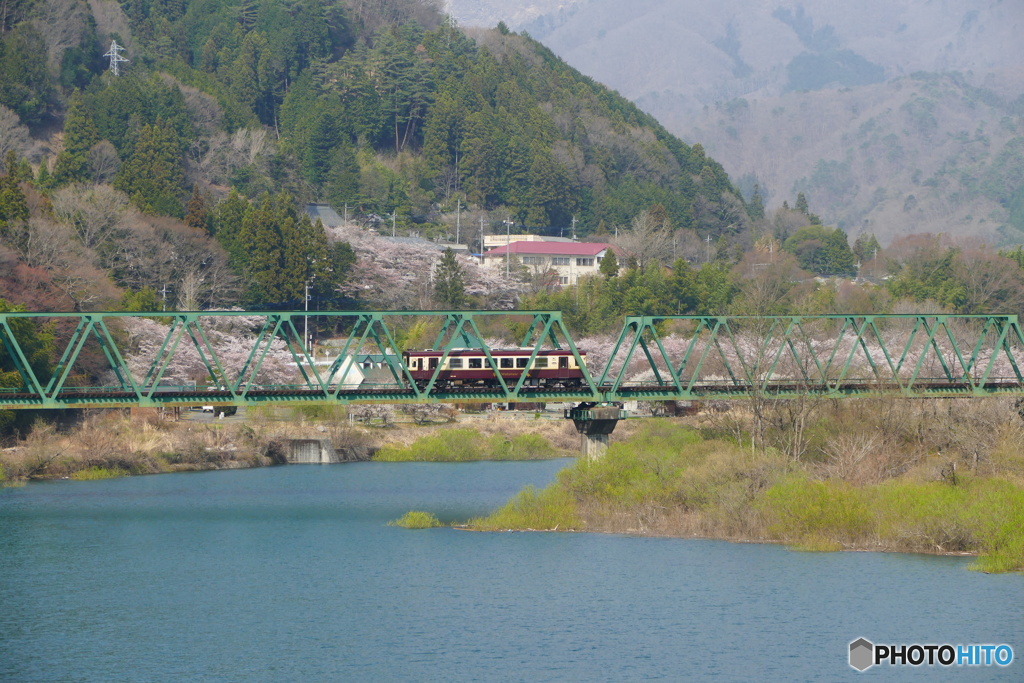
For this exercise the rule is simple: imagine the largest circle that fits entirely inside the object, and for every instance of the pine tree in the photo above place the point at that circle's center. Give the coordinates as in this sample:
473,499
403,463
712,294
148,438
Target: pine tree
449,282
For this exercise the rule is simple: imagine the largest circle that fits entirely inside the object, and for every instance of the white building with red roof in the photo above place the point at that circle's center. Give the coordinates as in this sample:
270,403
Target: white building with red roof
570,260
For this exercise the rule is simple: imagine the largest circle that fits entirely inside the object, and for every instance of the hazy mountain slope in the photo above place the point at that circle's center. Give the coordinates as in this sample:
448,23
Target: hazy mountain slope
922,153
780,93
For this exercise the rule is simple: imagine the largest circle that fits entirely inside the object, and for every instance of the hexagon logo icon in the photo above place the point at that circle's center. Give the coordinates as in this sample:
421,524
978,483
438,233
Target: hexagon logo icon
862,654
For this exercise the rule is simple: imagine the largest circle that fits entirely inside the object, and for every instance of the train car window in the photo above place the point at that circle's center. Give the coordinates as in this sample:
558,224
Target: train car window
563,363
476,362
506,362
540,363
433,363
521,362
455,363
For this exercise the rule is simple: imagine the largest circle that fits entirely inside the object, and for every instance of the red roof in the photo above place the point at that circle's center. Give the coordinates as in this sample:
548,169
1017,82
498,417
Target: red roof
556,248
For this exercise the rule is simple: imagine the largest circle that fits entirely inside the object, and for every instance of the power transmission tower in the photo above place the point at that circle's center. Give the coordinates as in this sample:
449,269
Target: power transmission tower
114,53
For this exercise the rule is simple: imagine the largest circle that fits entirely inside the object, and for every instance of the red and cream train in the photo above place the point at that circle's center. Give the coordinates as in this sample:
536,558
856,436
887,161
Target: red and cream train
470,367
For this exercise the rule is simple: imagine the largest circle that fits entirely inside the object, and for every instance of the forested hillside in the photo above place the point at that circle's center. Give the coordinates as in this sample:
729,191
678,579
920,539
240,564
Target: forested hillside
185,174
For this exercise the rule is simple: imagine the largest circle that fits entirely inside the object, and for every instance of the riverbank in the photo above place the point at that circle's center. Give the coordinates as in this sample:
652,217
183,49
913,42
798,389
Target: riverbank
111,444
942,477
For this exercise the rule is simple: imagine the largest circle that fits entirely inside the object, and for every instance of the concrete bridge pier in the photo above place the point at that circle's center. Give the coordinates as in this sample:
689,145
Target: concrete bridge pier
595,425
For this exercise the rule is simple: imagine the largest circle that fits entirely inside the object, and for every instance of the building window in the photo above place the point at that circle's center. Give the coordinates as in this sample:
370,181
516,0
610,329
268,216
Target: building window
533,261
561,261
585,262
563,280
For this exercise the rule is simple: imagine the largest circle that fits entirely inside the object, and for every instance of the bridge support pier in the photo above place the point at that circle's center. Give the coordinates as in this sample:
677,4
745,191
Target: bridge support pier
595,425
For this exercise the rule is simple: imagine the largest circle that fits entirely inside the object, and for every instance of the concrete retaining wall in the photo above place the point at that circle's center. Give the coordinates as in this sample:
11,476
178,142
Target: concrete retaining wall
321,452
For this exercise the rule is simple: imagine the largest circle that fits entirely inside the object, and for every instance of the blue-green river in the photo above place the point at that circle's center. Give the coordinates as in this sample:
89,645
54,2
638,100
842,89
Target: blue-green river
292,574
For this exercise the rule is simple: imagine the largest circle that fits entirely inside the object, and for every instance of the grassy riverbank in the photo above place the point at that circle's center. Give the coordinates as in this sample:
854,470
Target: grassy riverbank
467,444
919,483
110,444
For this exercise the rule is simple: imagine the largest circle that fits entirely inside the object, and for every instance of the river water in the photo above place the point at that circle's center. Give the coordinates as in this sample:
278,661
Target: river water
292,574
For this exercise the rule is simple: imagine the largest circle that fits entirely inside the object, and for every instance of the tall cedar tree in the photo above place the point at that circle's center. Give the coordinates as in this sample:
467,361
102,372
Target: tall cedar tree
449,281
196,215
80,134
154,177
259,247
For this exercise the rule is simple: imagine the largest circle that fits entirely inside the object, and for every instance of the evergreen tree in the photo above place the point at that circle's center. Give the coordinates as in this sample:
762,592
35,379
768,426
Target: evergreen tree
323,139
682,286
259,247
80,134
43,179
26,85
449,282
153,177
227,224
756,206
196,215
13,206
801,204
838,257
609,264
865,247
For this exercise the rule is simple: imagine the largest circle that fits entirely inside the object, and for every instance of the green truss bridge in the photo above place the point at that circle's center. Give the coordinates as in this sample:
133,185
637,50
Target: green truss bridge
245,358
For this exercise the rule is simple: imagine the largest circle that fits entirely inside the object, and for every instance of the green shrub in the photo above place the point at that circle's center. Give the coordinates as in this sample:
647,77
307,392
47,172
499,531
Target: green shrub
997,509
319,413
414,519
463,445
95,473
799,509
923,516
549,508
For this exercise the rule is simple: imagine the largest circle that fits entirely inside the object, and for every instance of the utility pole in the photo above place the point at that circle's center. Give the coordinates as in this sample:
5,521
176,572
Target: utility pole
574,228
481,240
305,322
393,215
508,243
708,240
164,292
458,217
346,214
